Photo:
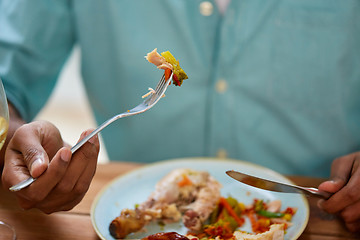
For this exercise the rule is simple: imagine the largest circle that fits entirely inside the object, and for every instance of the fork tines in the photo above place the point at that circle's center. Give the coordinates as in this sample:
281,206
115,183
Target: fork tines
161,84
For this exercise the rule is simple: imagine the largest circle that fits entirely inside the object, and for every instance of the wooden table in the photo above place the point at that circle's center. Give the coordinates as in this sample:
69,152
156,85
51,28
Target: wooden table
76,224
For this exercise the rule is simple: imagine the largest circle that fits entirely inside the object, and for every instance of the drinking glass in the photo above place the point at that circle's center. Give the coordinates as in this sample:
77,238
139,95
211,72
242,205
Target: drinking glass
5,228
4,115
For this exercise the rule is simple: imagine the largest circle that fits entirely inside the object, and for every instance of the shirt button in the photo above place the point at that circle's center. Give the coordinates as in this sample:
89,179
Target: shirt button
206,8
221,153
221,86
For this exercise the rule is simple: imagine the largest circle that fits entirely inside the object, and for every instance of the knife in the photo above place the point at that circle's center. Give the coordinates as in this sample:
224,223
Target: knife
275,186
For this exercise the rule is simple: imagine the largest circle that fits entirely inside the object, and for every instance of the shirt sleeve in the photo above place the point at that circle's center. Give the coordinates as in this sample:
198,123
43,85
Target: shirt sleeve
36,38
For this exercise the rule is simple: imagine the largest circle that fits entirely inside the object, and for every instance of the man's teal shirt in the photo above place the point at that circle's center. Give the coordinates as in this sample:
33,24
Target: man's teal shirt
273,82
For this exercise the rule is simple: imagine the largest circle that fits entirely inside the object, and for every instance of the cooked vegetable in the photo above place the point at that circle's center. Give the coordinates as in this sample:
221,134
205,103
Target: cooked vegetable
167,62
224,220
224,202
270,214
185,181
167,73
179,74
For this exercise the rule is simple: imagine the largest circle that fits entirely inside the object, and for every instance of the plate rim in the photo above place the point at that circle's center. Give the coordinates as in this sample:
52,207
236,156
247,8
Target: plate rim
209,159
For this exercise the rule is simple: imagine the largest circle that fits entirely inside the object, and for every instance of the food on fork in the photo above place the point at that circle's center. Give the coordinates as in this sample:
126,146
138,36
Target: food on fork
182,194
167,62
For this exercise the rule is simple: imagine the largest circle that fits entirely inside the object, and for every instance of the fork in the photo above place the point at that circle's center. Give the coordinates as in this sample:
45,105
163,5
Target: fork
148,103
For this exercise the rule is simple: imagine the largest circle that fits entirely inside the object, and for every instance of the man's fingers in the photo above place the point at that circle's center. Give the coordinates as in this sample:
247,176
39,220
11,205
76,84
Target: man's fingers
340,173
17,171
37,167
40,189
84,161
353,226
26,150
351,213
341,169
76,181
331,186
349,195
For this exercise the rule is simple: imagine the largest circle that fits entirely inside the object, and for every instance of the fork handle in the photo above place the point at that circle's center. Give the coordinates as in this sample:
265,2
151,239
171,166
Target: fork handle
93,133
30,180
101,127
23,184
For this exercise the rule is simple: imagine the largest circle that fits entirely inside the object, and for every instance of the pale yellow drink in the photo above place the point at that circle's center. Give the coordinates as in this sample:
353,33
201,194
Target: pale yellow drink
4,126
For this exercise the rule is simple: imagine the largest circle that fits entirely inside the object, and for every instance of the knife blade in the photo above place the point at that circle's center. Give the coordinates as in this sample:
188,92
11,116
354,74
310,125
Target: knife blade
275,186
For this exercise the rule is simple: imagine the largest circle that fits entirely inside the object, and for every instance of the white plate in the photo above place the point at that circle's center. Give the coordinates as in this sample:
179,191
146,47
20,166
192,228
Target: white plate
135,186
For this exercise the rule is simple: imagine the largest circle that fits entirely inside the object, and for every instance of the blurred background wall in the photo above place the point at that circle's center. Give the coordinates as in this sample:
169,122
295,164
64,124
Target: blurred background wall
69,108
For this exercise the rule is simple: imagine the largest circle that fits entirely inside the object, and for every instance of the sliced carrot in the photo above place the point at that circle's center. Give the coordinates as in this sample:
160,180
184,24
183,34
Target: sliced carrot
251,216
231,211
185,181
167,73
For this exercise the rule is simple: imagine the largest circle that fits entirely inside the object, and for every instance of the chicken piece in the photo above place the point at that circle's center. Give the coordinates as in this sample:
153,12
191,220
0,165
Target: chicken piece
155,58
129,221
196,199
281,221
274,206
276,232
166,236
197,212
183,191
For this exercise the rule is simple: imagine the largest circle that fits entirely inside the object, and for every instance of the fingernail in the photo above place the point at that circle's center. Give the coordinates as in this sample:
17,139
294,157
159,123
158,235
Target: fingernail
320,203
93,140
65,156
332,181
36,163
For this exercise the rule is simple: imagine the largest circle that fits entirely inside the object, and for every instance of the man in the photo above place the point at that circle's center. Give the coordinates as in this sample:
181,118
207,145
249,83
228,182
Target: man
273,82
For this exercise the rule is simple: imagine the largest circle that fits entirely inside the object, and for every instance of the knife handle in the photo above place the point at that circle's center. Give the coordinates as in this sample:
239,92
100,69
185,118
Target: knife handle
317,193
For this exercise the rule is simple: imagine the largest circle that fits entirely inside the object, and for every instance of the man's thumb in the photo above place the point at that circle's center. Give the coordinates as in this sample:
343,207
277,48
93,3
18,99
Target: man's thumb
37,166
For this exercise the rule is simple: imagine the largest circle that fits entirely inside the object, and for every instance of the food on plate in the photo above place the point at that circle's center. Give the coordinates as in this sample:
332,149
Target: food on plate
266,219
182,194
166,236
262,215
194,197
167,62
276,232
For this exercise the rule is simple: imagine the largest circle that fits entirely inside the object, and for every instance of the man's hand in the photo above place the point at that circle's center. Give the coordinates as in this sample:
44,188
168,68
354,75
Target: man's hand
37,149
345,184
